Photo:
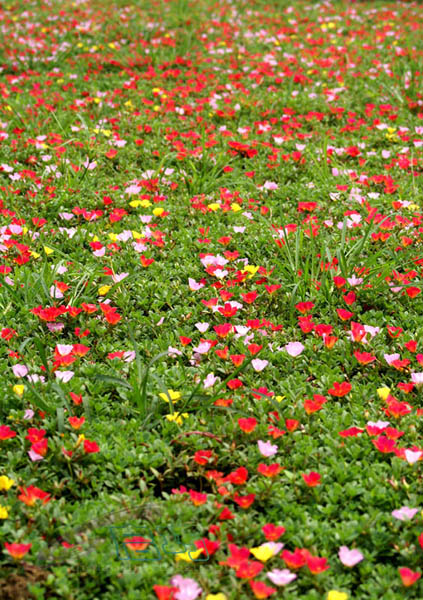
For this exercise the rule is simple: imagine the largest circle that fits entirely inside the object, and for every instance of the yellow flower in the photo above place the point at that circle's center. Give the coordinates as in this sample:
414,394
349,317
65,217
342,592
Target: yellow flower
383,392
235,207
135,203
186,555
213,206
252,269
80,439
104,289
219,596
34,254
19,389
157,212
279,398
3,512
48,250
262,553
174,396
334,595
145,203
112,236
6,483
177,417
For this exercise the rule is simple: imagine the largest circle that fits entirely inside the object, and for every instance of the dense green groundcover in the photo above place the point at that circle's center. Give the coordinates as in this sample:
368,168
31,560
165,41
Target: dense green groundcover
211,312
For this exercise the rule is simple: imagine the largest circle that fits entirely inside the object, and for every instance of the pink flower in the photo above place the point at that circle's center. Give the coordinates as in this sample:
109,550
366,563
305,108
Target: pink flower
294,348
34,456
259,364
348,557
64,349
64,376
202,327
118,277
188,589
417,378
281,577
404,513
210,380
267,448
391,357
194,285
19,370
412,457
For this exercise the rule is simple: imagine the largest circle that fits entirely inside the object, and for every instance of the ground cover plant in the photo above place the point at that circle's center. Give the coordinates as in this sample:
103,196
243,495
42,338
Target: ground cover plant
211,314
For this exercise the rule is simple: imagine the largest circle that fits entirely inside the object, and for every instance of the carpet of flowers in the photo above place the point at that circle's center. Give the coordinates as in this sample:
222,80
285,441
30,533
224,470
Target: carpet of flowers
211,312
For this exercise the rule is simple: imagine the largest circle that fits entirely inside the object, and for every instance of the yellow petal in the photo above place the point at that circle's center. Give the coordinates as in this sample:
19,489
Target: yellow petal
214,206
383,392
6,483
3,512
186,555
158,211
113,236
34,254
236,207
145,203
219,596
334,595
19,389
135,203
48,250
104,289
279,398
262,553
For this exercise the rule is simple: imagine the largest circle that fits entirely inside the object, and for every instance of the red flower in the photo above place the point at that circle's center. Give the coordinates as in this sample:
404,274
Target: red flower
384,445
247,425
197,498
311,406
254,348
76,422
394,332
269,470
146,262
210,546
261,590
351,432
273,532
164,592
31,494
312,479
238,477
234,384
291,424
6,433
344,314
40,447
201,457
35,435
244,501
364,358
408,576
317,565
226,515
249,569
304,307
223,330
17,551
340,389
77,399
91,447
296,559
